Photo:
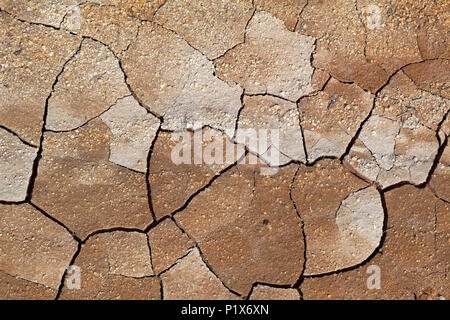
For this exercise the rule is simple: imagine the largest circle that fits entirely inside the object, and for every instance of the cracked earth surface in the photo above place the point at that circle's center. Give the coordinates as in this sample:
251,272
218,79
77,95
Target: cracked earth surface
92,92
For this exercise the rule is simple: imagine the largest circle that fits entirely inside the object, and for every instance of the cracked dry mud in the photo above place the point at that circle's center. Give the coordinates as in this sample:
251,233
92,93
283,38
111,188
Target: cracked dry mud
99,101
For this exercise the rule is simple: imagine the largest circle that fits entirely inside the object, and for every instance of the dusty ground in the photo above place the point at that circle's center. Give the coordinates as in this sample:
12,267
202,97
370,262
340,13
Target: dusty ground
356,205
